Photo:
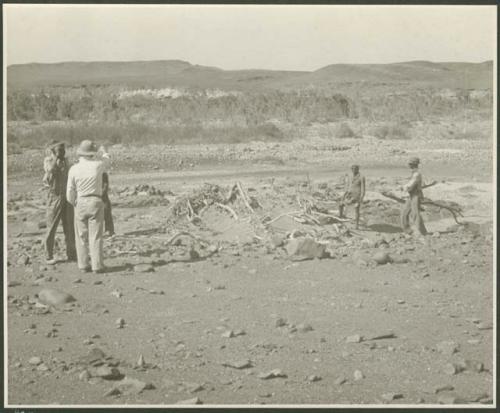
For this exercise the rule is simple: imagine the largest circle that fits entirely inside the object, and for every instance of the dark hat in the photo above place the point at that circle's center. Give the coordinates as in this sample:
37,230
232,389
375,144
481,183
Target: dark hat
414,161
87,148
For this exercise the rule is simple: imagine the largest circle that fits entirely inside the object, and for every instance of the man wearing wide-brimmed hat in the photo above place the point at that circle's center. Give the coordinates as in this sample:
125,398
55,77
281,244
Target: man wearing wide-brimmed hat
411,209
84,191
55,178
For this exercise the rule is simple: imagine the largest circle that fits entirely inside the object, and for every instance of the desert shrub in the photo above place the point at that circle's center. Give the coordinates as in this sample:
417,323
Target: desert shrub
143,134
391,131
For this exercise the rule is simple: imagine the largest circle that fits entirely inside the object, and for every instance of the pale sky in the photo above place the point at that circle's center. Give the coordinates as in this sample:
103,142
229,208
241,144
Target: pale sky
243,37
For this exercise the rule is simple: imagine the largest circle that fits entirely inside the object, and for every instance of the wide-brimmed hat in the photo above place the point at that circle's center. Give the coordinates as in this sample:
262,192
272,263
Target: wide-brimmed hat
414,161
55,144
87,148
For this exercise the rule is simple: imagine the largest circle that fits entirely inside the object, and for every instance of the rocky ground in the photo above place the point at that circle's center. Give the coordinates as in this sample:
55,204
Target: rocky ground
220,301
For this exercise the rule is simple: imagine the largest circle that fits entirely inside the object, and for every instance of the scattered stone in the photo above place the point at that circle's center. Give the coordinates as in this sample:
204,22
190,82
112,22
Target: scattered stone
354,339
128,386
453,368
474,365
448,347
84,375
54,297
78,281
112,392
241,364
340,381
392,396
280,322
304,328
116,294
14,284
35,361
143,268
42,367
306,248
382,258
313,378
140,362
447,387
231,333
195,400
485,326
358,375
383,336
449,399
194,387
97,282
107,373
276,373
120,323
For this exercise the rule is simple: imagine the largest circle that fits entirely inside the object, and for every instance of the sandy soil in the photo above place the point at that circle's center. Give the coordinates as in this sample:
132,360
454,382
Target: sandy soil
299,316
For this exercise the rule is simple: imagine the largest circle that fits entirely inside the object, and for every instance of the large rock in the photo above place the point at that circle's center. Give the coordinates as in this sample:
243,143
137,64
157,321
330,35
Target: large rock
49,296
306,248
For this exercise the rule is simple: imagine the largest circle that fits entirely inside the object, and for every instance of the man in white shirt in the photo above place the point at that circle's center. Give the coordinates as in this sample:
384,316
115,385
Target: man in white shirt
84,192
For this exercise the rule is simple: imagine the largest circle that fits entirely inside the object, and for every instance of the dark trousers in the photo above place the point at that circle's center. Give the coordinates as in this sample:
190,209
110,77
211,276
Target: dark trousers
58,209
108,217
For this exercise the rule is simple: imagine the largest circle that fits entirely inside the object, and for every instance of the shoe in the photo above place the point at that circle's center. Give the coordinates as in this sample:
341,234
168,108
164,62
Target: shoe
86,269
51,261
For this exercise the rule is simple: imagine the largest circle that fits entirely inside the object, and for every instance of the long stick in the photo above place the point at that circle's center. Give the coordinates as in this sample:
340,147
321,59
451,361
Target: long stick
286,214
244,197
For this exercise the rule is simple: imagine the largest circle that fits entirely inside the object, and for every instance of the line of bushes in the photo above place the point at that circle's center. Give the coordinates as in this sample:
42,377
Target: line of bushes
139,134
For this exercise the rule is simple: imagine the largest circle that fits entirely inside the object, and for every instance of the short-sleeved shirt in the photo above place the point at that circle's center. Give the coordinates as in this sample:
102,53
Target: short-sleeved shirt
85,178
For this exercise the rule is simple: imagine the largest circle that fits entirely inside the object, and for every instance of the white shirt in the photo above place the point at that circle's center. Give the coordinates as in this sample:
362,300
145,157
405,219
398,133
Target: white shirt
85,178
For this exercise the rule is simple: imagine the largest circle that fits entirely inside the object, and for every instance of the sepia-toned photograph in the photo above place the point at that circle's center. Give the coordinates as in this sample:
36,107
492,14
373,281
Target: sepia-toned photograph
249,205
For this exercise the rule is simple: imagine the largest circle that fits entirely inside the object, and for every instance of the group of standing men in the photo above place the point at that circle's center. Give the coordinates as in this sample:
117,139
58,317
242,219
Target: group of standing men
355,193
78,196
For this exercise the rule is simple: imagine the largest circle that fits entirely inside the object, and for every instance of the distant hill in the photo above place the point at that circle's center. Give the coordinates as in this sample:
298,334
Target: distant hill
177,73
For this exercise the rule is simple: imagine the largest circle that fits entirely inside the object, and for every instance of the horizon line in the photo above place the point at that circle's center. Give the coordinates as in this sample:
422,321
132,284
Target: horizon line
251,68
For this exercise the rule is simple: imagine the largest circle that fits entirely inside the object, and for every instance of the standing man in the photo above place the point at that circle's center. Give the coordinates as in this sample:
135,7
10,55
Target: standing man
84,192
109,227
411,209
55,178
355,193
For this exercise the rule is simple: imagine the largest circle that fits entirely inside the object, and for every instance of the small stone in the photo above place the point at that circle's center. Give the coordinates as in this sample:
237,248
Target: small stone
452,369
392,396
54,297
143,268
107,373
276,373
112,392
35,361
13,284
447,347
194,387
358,375
474,365
304,328
129,385
140,361
447,387
42,367
195,400
241,364
97,282
485,326
280,322
381,258
84,375
120,323
313,378
116,294
449,399
78,281
354,339
340,381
